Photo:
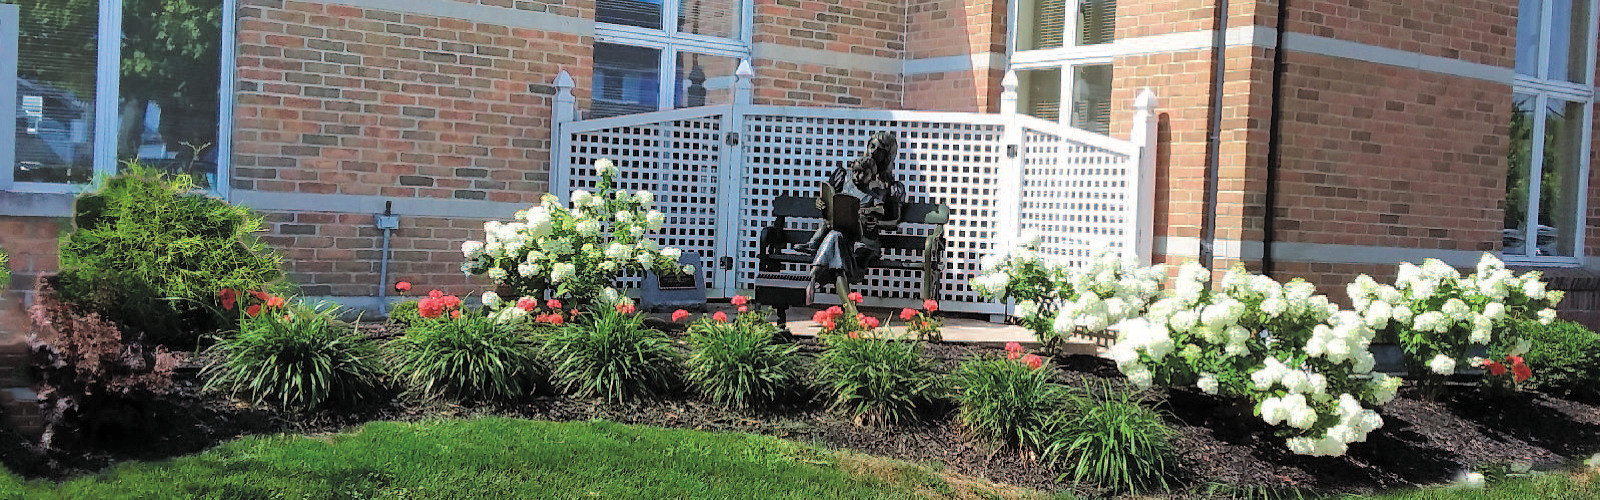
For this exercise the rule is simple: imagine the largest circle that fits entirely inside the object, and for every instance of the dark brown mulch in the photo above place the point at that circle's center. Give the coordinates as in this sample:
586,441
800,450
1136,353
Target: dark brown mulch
1421,442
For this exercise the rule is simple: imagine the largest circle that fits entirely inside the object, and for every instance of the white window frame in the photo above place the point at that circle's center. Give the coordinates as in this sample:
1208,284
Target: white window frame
1066,58
1544,89
670,42
108,85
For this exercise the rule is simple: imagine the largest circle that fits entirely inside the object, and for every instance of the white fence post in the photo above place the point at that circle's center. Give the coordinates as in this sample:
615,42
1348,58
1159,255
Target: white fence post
1142,185
1010,188
730,183
563,110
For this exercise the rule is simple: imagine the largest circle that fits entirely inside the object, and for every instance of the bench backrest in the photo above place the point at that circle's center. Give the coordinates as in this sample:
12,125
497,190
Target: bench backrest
784,207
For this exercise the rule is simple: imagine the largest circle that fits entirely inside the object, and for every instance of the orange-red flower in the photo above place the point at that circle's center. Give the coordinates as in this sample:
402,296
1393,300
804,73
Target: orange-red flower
527,304
871,322
625,308
275,302
229,298
1496,369
456,314
744,309
856,297
854,335
553,304
435,294
1033,361
679,315
451,301
403,286
907,313
253,310
930,305
740,300
1013,350
720,317
1521,372
835,311
556,319
430,308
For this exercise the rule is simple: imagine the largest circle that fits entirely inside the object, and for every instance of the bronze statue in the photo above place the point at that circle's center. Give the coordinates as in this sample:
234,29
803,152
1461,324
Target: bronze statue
860,199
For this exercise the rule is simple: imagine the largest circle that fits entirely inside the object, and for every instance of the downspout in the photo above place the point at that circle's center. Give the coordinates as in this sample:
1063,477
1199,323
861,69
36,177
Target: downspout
1208,222
388,223
1274,145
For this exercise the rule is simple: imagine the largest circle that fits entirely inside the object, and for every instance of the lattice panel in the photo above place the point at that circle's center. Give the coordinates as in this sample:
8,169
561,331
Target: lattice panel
953,163
1075,196
676,160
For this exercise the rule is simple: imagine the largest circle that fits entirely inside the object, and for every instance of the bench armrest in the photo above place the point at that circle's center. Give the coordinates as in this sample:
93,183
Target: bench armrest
932,263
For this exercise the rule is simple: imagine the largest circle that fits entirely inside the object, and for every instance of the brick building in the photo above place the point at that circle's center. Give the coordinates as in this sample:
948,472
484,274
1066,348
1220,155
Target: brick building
1385,131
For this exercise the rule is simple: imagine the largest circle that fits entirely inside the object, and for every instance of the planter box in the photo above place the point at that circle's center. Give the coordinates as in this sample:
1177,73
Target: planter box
1391,360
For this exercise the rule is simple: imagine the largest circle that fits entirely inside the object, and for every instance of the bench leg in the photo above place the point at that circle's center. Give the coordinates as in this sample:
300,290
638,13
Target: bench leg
841,286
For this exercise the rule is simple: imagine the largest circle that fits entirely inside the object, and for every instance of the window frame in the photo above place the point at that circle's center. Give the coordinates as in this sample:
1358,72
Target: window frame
1543,88
1066,58
670,42
108,75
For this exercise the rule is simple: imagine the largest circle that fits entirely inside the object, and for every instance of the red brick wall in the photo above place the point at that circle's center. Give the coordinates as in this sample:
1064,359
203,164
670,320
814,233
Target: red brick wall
338,254
336,99
1479,31
942,28
860,27
34,246
786,83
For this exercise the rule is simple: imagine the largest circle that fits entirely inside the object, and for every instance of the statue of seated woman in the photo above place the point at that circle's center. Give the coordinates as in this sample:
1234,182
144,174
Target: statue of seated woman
849,251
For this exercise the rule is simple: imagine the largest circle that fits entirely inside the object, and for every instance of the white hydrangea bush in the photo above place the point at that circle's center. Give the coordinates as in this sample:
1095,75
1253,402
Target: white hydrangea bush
1302,362
578,251
1054,300
1440,317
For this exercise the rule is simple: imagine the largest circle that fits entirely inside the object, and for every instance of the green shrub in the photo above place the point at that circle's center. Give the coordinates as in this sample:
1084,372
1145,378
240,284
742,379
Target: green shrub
1008,402
1107,436
471,358
1565,357
300,359
878,381
5,269
611,355
151,254
404,313
740,364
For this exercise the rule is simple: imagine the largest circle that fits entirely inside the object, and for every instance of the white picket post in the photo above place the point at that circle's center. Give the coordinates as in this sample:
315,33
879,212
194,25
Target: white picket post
563,110
1142,185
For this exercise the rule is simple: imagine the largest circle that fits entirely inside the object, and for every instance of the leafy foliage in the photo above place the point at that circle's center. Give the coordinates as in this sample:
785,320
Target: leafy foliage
1007,401
470,358
878,381
5,268
90,373
302,359
151,255
611,355
1110,438
1565,357
404,313
740,364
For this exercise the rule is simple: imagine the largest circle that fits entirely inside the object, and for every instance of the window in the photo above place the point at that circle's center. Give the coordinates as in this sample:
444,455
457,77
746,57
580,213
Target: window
1553,106
644,63
1053,66
100,83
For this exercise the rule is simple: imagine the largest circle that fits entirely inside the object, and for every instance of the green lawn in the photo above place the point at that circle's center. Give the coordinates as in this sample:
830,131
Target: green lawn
1574,486
509,458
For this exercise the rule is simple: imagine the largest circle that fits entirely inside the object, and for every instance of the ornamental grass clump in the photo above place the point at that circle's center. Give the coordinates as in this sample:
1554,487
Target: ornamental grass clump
610,354
1440,317
575,252
1008,401
741,364
464,357
1109,437
296,357
150,253
878,380
1055,301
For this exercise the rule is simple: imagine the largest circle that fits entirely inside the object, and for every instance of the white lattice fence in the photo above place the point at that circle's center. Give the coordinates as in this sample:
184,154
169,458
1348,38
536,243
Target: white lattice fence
1077,197
677,158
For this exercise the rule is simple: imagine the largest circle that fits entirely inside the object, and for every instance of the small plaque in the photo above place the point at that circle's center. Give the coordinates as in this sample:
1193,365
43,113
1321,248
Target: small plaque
678,291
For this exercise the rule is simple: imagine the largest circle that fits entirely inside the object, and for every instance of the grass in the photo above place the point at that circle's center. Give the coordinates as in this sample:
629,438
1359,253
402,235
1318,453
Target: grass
1557,485
511,458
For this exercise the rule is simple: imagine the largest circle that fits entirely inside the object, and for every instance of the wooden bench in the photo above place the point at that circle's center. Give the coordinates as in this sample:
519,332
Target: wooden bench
780,289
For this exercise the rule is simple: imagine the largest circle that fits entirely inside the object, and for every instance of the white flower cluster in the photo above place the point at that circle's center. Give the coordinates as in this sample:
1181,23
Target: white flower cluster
550,244
1109,290
1355,422
1433,309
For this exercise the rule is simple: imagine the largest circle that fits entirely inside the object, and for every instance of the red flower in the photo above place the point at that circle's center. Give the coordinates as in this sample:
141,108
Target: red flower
1521,372
253,310
871,322
907,313
856,297
1515,360
527,304
261,296
930,305
556,319
275,302
740,300
679,315
435,294
829,324
1033,361
720,317
744,308
861,318
625,308
403,286
451,301
456,314
1013,347
553,304
835,311
574,312
1496,369
854,335
229,297
430,308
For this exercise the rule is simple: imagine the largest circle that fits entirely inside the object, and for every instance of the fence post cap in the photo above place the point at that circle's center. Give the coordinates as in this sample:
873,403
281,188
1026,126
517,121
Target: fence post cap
744,72
564,80
1146,101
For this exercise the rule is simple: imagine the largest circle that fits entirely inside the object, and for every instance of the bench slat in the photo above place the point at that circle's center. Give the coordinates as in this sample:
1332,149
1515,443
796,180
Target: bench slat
806,208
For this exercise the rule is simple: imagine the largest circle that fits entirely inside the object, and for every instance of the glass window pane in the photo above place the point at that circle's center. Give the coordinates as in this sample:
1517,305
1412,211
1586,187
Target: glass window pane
704,79
56,53
1519,161
1528,20
1560,185
171,70
1042,25
1039,93
1097,21
1091,98
719,18
1569,45
641,13
627,80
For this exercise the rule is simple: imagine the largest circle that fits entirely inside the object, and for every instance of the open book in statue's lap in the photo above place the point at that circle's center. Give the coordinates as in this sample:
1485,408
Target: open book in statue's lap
857,202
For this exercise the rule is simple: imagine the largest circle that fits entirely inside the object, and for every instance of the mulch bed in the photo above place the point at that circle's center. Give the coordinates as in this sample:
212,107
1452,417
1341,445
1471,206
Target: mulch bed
1421,442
